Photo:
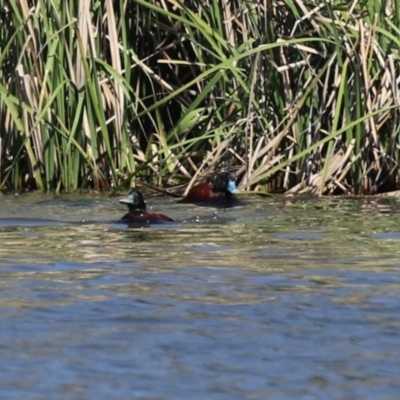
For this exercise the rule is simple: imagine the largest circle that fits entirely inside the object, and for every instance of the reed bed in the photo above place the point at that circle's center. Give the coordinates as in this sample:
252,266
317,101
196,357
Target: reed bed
291,96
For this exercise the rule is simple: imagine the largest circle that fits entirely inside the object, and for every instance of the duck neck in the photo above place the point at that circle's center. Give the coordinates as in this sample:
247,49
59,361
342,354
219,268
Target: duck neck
136,207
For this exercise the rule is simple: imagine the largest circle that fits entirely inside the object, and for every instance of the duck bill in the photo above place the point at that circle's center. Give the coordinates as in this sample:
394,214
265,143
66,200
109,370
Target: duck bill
126,200
232,187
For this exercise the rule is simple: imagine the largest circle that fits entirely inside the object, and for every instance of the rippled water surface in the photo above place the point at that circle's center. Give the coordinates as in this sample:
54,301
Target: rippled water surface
276,299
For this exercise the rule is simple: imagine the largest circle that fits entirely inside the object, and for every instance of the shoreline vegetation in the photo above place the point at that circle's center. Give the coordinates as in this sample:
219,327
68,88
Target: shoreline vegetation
292,97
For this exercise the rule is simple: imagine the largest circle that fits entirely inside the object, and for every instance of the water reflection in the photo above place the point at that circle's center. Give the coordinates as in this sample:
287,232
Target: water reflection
275,299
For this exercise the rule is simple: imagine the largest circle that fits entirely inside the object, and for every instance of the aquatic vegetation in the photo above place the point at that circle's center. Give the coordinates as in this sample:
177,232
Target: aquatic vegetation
292,97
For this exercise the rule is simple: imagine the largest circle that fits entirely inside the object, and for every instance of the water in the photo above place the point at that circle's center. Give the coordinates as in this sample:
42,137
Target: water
277,299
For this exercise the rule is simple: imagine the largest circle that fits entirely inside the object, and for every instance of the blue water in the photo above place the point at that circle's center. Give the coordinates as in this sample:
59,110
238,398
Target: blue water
272,300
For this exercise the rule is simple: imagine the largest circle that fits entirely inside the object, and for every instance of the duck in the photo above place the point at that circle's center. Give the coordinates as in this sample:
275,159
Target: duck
220,193
137,210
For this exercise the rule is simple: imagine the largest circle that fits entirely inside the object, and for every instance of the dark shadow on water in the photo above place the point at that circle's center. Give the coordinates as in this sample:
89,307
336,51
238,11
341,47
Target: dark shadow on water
21,222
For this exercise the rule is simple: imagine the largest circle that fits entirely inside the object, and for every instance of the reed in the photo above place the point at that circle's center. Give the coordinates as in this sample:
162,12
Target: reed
293,97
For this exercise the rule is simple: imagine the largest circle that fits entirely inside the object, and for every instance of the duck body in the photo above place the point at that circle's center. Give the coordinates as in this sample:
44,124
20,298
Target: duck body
137,210
145,217
221,193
